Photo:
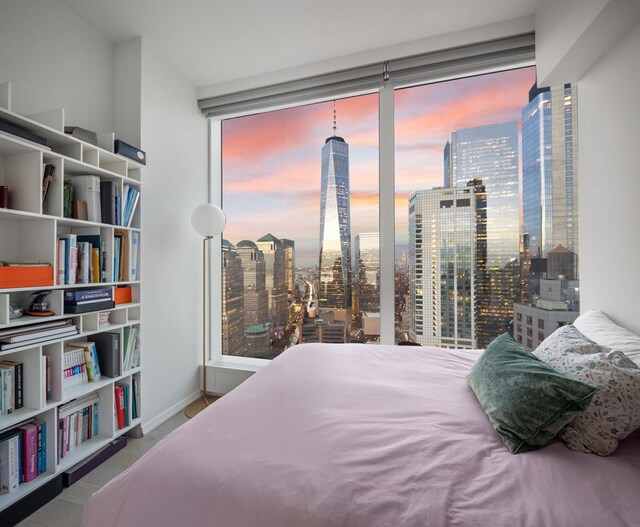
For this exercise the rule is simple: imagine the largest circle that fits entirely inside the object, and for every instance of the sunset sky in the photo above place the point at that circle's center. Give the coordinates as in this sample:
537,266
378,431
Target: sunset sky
271,161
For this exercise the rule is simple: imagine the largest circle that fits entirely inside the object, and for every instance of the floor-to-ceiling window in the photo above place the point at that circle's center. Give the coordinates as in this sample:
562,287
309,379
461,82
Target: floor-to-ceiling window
486,233
300,254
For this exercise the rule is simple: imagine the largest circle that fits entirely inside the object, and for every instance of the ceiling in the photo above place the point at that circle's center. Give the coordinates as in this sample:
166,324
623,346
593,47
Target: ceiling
214,41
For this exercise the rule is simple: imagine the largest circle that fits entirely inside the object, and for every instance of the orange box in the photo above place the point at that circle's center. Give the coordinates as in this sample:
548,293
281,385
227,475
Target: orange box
122,295
26,276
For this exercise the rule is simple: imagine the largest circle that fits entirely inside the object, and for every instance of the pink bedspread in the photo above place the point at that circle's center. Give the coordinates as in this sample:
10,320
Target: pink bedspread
367,436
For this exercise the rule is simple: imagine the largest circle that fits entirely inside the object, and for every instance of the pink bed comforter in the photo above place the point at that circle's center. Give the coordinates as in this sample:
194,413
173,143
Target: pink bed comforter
367,436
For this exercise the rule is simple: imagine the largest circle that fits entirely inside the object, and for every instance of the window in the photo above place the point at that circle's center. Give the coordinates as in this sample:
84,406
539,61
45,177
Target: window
301,245
485,189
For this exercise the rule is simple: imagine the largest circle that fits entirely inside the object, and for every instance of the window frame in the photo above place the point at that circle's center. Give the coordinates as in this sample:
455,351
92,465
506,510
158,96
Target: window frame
386,189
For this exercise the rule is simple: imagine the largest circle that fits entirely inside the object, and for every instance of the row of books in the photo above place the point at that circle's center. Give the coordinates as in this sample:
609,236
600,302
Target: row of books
81,259
125,255
29,334
11,386
85,300
131,347
23,454
77,423
86,197
80,364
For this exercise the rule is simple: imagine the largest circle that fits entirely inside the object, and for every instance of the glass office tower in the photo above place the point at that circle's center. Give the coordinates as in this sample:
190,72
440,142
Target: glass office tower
334,289
549,170
367,270
489,153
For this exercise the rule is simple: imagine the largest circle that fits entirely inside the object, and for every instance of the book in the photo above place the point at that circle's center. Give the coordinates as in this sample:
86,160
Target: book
82,295
87,188
120,403
37,340
108,353
95,265
10,463
71,258
135,242
67,199
28,328
35,333
17,382
7,384
29,451
130,207
78,308
108,202
123,254
61,261
47,178
84,269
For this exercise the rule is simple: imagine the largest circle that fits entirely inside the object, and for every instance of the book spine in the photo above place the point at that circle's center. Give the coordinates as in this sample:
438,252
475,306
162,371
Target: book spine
18,385
134,255
44,446
30,452
62,244
39,448
95,420
95,265
10,464
103,266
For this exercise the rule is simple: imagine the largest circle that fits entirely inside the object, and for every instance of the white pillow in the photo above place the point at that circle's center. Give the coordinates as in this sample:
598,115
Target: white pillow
614,411
596,326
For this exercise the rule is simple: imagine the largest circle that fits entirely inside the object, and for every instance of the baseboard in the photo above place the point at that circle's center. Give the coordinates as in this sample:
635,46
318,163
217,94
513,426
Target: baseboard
151,424
26,506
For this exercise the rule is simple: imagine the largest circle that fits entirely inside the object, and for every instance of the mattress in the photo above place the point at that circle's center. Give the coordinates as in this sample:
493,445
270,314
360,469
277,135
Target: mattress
363,435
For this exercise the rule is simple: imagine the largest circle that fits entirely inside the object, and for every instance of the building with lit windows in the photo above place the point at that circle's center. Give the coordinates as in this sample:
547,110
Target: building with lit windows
549,176
490,153
289,266
447,255
255,296
275,265
232,301
366,260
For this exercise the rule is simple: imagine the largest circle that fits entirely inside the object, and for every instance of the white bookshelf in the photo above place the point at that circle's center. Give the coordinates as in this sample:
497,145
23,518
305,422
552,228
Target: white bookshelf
28,233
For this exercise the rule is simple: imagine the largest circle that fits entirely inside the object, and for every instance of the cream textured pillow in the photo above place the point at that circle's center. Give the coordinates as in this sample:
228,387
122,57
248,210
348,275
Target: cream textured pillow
614,411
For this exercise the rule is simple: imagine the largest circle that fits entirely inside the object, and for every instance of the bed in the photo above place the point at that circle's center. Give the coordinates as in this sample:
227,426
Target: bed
363,435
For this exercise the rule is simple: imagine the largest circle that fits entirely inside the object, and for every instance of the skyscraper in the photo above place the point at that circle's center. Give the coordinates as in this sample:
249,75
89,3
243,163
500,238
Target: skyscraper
366,256
289,266
490,153
447,248
549,174
255,296
232,303
274,261
334,289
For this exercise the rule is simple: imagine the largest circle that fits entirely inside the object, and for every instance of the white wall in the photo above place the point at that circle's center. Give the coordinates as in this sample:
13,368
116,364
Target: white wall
609,135
75,67
174,135
54,59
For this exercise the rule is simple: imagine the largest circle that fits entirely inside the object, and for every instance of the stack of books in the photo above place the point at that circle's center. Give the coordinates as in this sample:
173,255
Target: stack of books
27,335
23,454
77,423
11,389
131,348
85,300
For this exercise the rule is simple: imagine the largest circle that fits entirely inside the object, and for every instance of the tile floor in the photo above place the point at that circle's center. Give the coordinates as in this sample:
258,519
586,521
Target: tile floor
66,509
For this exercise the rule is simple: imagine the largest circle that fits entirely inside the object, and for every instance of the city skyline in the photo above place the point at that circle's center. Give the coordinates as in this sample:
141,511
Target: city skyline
271,163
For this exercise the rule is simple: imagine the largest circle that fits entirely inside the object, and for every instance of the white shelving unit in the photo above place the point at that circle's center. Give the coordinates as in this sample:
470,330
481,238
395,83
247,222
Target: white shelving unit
28,233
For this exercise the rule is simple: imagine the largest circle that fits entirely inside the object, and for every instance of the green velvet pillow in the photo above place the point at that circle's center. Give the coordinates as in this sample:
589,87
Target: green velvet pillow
527,401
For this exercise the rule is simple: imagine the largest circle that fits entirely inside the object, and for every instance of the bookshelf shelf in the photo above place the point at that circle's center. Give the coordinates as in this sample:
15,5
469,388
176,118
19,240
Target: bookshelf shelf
29,232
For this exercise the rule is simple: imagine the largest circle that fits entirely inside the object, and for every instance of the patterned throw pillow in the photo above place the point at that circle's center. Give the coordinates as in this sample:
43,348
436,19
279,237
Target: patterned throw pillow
614,412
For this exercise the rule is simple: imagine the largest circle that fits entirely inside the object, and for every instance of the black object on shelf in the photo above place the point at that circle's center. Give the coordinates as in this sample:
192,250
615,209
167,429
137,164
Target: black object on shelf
19,131
125,149
26,506
71,309
80,470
